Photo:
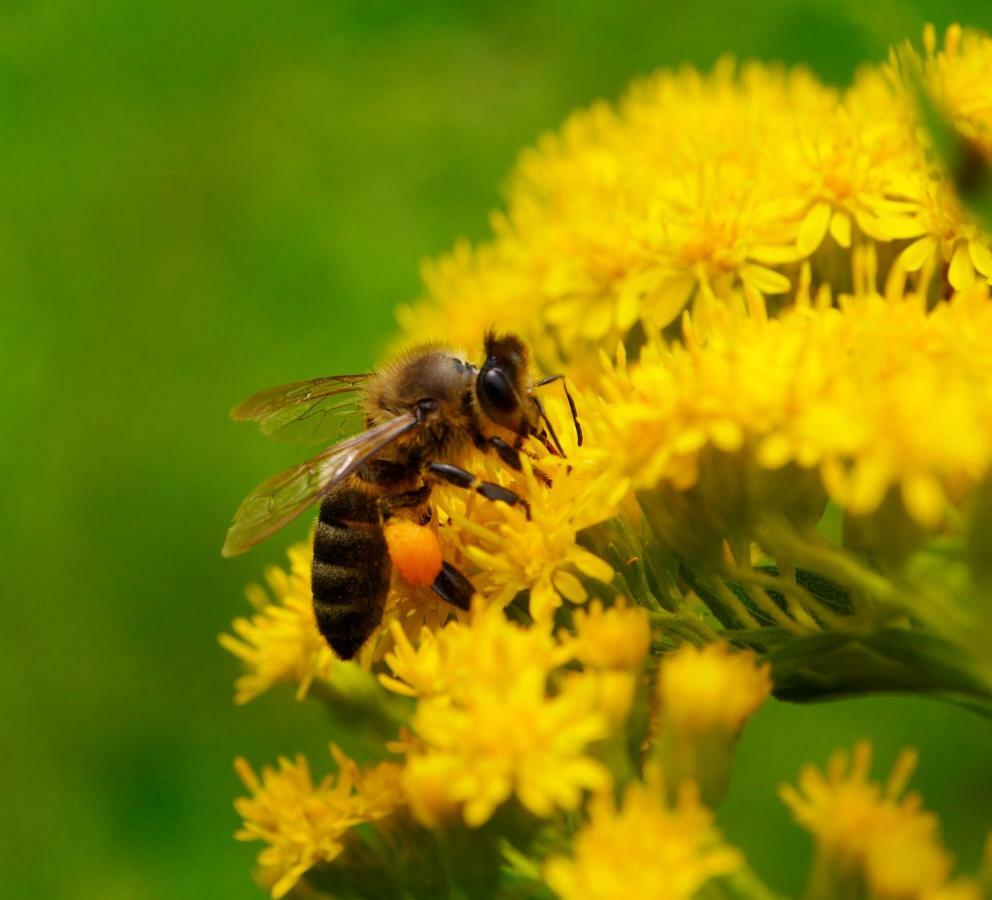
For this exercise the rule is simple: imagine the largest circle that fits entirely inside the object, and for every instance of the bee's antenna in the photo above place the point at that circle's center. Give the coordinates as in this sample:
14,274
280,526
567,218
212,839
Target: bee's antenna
571,404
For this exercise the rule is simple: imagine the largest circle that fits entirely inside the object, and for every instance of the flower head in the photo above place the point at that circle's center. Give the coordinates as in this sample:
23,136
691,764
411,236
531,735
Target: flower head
866,830
838,391
281,641
613,638
491,722
711,688
535,548
304,823
959,75
646,848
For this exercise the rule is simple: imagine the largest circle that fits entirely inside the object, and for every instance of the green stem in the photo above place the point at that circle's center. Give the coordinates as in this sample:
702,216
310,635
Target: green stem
804,600
780,539
733,602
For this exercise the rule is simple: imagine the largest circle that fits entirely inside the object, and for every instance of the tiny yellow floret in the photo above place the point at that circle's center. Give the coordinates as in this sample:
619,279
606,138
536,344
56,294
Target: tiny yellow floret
712,688
870,831
644,849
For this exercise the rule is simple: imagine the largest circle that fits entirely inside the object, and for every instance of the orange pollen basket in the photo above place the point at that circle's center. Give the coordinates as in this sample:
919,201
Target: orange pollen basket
414,551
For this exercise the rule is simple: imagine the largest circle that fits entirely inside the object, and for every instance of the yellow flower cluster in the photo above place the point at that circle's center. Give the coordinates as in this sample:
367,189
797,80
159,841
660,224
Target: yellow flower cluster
513,549
305,823
694,187
646,848
281,641
842,391
871,834
959,77
835,344
497,716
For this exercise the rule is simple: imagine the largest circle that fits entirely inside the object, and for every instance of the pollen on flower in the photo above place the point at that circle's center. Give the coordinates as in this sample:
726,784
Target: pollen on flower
646,848
711,689
280,642
304,823
487,724
876,830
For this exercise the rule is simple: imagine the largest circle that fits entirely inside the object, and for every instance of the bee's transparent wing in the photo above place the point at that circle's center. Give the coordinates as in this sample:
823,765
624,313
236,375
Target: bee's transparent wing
281,499
321,409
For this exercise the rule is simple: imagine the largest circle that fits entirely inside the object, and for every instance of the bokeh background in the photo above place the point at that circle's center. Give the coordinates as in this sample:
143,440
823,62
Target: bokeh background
201,199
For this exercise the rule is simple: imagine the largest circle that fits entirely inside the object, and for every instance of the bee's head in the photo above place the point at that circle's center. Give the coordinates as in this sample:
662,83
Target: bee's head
502,386
506,396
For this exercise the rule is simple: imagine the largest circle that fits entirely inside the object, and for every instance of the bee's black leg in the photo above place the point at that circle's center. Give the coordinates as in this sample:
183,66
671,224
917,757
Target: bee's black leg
571,403
508,454
453,587
489,489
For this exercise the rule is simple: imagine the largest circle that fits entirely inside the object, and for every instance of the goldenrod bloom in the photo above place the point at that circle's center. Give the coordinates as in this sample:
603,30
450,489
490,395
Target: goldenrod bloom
646,848
838,391
613,638
871,834
537,549
304,823
487,724
703,698
960,75
711,689
281,641
835,345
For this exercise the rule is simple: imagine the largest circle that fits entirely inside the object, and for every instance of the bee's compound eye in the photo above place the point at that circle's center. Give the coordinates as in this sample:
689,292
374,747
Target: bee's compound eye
495,392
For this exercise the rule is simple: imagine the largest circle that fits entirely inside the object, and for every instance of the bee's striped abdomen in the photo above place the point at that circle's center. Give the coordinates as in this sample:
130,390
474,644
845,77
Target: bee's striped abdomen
351,568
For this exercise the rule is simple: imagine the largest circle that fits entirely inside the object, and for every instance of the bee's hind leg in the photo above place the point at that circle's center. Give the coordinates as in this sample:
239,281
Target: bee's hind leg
453,587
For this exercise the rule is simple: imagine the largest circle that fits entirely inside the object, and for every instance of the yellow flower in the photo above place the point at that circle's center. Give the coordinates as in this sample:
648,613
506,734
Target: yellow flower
870,832
614,638
515,549
488,724
703,698
951,238
711,689
644,849
281,641
855,162
960,76
304,823
836,391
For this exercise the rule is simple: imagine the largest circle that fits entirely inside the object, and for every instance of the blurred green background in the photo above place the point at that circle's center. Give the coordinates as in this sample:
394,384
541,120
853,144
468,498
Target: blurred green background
199,200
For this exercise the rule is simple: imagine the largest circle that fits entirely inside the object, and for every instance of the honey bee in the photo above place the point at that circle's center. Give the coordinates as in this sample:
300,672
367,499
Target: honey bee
422,413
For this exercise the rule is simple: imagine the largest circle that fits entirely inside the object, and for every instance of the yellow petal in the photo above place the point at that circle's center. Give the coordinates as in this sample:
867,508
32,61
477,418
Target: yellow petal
768,281
726,435
591,565
773,254
917,253
840,228
981,256
869,482
775,451
813,229
924,499
544,600
961,273
667,300
569,586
